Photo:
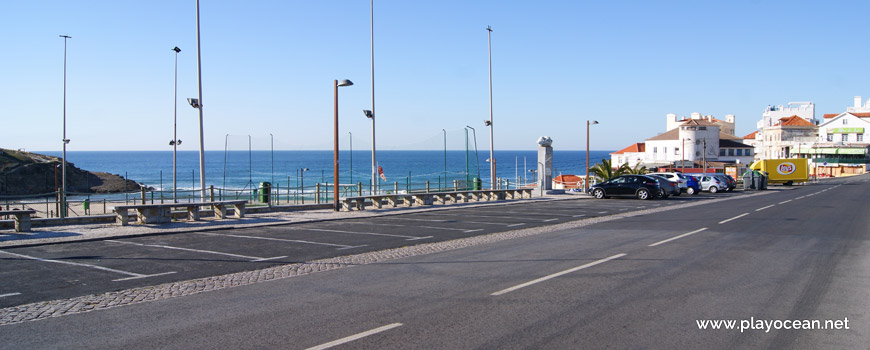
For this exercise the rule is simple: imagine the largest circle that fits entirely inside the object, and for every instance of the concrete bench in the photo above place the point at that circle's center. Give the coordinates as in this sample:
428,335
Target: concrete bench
21,218
162,213
359,202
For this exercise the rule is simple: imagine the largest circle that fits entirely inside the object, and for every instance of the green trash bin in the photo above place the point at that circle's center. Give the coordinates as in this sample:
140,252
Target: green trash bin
265,192
476,184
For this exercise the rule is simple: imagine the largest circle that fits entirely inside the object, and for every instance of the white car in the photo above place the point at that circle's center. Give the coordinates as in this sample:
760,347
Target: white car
711,182
674,177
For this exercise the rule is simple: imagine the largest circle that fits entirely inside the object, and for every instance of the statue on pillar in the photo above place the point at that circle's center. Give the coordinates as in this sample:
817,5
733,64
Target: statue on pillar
545,163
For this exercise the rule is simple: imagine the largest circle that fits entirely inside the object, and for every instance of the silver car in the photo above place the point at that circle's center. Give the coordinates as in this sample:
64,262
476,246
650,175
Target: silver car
711,182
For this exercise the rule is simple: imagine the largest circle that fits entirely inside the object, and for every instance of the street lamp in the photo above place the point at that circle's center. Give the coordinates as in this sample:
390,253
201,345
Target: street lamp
336,84
350,135
175,141
586,181
65,140
489,122
683,155
445,157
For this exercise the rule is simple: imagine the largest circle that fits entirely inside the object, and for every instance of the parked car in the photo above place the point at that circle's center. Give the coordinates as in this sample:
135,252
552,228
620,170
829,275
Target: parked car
668,187
687,183
640,186
711,183
693,186
732,184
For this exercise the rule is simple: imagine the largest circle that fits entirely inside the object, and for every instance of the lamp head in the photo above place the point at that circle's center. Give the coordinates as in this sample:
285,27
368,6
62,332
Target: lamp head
369,114
487,123
176,49
593,122
194,102
345,82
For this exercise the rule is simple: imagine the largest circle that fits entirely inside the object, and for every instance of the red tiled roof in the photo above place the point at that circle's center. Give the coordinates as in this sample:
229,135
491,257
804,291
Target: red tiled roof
861,115
634,148
794,121
831,115
751,136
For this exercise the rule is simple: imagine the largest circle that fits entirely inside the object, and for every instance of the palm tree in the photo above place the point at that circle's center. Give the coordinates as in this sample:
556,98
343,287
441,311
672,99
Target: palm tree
636,170
604,171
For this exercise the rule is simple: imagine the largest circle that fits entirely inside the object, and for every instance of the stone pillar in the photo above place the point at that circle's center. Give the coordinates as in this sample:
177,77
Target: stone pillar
545,163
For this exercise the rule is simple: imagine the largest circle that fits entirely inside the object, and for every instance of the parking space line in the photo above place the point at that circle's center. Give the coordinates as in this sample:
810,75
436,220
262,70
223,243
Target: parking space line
143,276
9,295
677,237
734,218
493,223
531,213
340,246
762,208
489,216
409,238
557,274
96,267
577,216
355,337
251,258
783,202
412,219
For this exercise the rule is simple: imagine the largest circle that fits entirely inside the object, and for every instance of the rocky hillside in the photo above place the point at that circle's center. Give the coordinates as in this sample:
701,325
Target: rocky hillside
25,173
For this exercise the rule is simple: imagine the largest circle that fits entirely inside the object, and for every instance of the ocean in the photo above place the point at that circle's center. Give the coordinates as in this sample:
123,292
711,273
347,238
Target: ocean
244,169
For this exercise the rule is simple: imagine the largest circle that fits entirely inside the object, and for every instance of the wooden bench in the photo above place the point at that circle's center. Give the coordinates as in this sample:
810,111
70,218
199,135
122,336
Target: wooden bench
21,218
162,213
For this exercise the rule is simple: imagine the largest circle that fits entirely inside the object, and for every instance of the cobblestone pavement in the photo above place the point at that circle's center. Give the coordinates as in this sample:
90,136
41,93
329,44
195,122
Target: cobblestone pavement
62,307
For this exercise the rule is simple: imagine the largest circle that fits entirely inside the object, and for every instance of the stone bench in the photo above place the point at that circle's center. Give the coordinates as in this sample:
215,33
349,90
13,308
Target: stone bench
162,213
359,202
21,218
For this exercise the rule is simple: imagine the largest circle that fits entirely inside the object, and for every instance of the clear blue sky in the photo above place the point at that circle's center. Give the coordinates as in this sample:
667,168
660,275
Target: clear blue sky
268,67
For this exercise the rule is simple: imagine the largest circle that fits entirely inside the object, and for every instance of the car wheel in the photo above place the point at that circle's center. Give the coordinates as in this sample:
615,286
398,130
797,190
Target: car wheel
643,194
713,189
598,193
691,191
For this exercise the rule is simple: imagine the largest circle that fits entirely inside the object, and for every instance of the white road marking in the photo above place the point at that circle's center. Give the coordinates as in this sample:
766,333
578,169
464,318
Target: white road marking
251,258
9,295
492,216
97,267
412,219
409,238
519,224
762,208
734,218
557,274
143,276
801,197
341,246
677,237
355,337
532,213
494,223
577,216
783,202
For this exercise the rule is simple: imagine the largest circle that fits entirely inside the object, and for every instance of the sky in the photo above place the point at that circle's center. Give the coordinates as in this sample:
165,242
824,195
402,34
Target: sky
268,68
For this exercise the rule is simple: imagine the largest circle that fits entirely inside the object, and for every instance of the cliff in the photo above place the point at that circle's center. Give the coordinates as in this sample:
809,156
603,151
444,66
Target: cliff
25,173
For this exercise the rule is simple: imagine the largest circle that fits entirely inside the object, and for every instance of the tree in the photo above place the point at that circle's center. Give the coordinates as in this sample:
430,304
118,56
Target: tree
604,171
636,170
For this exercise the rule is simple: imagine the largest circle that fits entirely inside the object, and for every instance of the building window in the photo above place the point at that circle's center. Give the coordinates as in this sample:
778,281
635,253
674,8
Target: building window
676,150
739,152
721,151
665,151
844,137
859,137
731,152
845,121
830,137
655,150
748,151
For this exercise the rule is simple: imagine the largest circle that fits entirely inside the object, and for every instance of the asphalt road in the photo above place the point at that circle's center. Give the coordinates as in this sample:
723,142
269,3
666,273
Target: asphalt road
638,282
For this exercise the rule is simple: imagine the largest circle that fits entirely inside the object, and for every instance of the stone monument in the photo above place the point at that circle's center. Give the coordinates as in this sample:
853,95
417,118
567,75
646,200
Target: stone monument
545,163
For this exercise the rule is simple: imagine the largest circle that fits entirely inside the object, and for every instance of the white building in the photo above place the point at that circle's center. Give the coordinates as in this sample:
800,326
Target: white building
771,115
726,126
842,146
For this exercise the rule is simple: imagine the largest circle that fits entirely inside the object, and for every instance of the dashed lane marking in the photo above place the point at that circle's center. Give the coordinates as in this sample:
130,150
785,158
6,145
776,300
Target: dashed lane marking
762,208
557,274
355,337
9,295
786,201
734,218
677,237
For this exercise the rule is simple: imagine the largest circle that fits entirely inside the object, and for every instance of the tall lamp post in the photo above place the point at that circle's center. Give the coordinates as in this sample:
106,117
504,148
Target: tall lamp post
336,84
175,141
65,140
371,113
302,182
705,156
350,135
683,156
199,106
586,181
489,122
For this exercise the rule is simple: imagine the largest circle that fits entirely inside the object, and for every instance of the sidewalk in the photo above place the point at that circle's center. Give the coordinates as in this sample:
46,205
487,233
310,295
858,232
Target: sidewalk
83,232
